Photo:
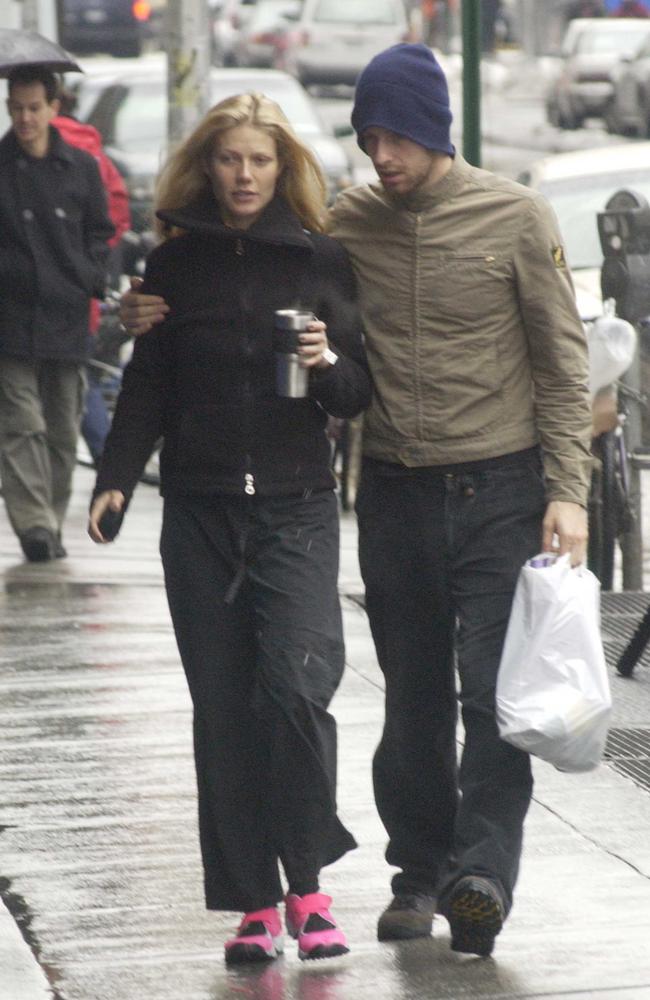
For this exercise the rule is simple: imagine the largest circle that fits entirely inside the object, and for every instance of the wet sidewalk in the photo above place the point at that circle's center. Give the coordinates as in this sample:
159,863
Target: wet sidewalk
99,861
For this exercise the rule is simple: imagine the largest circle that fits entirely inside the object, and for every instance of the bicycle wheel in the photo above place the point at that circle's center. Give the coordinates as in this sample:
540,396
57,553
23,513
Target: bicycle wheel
594,507
609,508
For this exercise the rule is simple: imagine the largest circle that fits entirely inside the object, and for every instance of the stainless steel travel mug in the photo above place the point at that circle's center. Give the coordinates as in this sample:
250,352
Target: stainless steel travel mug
291,379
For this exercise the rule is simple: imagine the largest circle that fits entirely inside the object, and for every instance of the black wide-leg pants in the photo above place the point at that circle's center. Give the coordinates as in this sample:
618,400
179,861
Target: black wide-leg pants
252,590
440,555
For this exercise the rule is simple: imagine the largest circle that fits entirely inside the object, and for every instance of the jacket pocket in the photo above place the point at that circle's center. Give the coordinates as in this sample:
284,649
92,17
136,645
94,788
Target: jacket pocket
469,295
464,281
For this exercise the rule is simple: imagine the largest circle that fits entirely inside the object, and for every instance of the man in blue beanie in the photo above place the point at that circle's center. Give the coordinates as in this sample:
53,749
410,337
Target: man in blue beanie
476,456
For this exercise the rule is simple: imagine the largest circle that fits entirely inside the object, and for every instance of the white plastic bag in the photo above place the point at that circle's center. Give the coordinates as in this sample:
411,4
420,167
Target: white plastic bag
553,697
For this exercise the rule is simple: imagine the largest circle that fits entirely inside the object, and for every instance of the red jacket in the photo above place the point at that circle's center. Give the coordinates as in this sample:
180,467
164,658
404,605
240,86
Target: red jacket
87,137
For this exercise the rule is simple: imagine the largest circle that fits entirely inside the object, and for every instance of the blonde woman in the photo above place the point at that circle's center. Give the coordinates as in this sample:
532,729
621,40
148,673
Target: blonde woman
250,525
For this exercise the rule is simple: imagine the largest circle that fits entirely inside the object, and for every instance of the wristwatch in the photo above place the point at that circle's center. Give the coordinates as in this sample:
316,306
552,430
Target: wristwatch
329,356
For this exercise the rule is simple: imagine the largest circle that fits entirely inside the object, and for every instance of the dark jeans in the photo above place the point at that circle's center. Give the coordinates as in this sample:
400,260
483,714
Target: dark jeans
440,554
263,659
95,423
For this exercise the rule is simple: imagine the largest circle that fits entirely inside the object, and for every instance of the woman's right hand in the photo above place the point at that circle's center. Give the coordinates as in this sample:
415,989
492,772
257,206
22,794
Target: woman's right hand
109,500
139,312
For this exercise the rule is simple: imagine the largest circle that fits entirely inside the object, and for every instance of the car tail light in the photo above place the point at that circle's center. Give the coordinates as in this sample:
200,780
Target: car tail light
141,10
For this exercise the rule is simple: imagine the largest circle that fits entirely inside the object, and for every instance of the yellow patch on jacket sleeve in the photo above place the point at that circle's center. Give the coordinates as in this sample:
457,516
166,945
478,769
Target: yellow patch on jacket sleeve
558,256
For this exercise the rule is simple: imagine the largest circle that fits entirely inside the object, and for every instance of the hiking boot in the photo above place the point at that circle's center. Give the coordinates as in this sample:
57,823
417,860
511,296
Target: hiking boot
258,939
408,915
476,913
38,544
309,920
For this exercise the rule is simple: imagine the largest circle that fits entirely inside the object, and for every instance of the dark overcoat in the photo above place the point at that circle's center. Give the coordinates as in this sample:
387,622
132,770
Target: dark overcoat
54,227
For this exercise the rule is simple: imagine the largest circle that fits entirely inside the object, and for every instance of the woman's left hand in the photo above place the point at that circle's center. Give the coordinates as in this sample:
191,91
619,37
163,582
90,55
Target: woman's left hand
312,344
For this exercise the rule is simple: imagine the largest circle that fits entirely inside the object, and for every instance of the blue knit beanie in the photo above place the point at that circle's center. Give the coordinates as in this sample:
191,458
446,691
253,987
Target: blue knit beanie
404,90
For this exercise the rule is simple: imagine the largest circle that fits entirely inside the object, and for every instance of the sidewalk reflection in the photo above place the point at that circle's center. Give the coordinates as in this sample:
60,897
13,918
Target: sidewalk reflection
280,981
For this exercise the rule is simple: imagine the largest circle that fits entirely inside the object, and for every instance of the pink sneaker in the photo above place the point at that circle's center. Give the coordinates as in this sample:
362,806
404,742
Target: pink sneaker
258,939
309,920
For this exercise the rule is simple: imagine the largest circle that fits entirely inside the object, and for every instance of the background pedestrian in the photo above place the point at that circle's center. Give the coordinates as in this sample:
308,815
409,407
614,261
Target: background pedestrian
54,229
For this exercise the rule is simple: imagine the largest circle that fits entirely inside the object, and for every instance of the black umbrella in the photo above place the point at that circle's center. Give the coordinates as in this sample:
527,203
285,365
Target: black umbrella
28,48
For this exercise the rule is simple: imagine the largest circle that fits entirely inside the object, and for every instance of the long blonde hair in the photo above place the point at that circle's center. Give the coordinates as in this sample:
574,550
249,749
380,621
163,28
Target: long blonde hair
184,177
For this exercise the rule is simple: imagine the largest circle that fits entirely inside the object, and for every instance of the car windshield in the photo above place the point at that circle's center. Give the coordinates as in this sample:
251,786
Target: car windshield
140,122
356,12
620,42
577,201
269,14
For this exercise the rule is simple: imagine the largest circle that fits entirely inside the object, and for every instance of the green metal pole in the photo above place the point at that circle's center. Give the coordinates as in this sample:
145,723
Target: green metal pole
471,17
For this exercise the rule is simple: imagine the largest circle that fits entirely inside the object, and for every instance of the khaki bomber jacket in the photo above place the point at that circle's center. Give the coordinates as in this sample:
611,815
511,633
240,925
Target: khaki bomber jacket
472,334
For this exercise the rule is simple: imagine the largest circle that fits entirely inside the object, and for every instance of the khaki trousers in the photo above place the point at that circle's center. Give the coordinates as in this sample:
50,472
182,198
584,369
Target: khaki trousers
41,405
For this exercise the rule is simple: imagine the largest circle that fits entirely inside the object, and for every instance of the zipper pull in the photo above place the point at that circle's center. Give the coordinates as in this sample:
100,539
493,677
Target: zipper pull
239,247
249,488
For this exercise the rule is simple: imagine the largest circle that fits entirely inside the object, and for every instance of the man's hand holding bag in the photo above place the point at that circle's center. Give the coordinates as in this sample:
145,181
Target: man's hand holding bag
553,696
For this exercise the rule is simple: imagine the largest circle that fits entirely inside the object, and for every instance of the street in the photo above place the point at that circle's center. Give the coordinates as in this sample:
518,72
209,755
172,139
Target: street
100,875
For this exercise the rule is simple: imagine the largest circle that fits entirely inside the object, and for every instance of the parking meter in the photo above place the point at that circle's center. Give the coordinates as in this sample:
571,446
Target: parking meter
624,230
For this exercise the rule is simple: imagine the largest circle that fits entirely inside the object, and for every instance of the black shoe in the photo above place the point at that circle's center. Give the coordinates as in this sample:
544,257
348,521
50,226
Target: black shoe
408,915
38,544
475,913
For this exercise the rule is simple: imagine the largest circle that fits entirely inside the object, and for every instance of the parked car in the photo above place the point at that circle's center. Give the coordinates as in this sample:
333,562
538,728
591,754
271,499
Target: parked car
119,27
628,109
330,41
130,112
578,186
258,39
591,49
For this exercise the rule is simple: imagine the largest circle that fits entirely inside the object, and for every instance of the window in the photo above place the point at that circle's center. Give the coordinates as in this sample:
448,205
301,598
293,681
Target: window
141,119
356,12
617,42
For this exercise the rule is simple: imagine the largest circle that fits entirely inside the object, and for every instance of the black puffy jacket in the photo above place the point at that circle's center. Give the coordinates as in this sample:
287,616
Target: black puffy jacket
54,228
204,379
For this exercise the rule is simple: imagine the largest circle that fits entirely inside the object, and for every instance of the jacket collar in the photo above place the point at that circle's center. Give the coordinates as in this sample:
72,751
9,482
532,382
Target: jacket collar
277,224
444,189
10,148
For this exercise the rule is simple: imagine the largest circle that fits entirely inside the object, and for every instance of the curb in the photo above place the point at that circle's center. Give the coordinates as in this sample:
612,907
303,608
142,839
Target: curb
21,977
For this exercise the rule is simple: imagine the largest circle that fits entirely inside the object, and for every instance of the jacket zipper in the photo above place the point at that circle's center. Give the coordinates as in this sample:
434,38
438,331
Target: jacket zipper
416,325
249,478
